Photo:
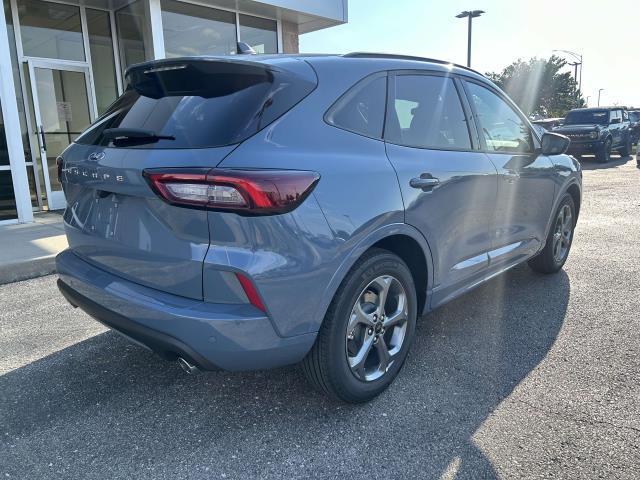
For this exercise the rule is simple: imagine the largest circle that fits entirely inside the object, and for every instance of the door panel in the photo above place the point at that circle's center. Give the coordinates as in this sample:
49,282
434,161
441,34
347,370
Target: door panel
525,198
449,190
455,215
525,178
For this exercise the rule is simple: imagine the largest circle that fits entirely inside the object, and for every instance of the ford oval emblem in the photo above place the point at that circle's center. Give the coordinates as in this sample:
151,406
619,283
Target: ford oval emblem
96,156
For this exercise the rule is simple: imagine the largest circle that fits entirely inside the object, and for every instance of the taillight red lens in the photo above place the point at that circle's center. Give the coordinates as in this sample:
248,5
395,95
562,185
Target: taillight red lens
249,192
251,292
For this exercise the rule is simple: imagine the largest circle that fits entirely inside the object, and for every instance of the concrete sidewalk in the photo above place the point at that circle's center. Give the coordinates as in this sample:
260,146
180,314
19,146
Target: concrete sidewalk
28,250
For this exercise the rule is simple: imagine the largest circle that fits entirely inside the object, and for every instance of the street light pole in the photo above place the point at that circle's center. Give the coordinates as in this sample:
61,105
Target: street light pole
470,15
599,91
578,57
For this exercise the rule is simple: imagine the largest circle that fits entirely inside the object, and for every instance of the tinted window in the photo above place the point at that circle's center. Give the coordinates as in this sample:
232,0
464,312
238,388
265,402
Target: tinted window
586,117
51,30
194,30
260,34
503,129
199,104
361,109
426,112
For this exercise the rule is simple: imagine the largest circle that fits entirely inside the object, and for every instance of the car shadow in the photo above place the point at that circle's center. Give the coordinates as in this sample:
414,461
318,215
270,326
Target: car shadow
107,408
590,163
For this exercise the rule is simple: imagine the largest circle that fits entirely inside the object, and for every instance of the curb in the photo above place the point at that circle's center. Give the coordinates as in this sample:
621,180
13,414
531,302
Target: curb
24,270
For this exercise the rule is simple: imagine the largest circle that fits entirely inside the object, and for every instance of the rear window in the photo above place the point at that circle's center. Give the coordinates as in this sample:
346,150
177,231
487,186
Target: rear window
199,104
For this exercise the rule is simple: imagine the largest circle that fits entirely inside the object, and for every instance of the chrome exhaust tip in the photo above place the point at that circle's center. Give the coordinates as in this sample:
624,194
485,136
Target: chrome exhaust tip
187,366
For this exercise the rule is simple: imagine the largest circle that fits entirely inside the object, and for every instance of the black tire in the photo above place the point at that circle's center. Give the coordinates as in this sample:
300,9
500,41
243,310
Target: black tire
626,150
327,366
604,154
547,261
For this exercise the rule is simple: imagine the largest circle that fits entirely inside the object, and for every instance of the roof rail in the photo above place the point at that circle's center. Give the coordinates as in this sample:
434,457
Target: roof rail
394,56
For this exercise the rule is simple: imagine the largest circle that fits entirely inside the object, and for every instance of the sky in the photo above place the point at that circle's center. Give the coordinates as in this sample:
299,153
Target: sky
605,32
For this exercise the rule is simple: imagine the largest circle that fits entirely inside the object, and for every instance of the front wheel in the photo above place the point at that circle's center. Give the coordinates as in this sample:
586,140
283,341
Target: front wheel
604,154
556,250
626,150
367,331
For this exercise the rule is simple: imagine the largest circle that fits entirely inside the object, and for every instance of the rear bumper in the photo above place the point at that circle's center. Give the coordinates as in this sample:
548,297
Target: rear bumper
209,335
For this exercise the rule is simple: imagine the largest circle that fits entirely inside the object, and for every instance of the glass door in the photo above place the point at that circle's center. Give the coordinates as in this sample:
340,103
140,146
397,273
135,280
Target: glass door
63,107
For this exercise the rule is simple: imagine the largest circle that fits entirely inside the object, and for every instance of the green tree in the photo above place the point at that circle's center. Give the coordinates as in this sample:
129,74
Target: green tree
538,86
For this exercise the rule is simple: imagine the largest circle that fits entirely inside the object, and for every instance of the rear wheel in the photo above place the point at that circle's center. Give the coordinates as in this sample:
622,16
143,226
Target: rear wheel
556,250
367,331
604,154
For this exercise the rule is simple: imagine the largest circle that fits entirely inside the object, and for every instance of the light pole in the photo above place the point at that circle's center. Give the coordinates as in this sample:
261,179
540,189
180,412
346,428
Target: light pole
578,58
599,91
470,15
588,97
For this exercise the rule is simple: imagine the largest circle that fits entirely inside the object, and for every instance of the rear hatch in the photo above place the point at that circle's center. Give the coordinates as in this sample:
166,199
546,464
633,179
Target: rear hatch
175,113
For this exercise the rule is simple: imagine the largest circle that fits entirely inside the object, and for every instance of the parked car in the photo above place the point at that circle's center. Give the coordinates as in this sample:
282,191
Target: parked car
257,211
549,123
597,131
634,125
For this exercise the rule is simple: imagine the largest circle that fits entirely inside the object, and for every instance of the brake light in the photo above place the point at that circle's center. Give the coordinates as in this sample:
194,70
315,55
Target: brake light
248,192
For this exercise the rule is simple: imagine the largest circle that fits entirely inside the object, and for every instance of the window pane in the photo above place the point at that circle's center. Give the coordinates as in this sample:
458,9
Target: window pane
50,30
361,109
7,196
195,30
16,81
502,127
4,151
102,61
131,24
32,187
427,113
261,34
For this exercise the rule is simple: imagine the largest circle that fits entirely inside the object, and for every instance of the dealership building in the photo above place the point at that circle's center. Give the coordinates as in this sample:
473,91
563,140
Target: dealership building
62,65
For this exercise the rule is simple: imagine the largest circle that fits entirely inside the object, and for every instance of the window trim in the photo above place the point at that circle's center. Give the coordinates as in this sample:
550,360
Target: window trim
367,78
483,145
472,131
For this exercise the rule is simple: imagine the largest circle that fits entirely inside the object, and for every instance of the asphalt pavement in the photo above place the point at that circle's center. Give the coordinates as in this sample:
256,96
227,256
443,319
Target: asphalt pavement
528,376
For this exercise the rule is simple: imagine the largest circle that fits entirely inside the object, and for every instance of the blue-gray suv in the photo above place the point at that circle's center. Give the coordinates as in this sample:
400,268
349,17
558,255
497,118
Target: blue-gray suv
257,211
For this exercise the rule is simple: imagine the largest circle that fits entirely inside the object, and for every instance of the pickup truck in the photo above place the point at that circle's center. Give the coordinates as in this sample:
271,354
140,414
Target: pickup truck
598,131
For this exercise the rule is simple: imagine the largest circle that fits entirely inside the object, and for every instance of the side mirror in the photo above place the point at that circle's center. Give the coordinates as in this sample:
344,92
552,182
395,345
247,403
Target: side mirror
615,120
554,144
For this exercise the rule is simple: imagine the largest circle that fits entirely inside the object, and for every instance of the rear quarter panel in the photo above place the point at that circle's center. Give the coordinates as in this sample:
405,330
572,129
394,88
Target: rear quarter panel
294,259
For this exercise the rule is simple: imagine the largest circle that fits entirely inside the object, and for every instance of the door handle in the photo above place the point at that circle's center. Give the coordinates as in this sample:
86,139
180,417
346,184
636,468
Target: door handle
424,182
43,141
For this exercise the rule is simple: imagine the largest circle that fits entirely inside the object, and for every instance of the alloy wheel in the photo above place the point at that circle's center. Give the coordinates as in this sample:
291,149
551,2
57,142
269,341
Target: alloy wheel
562,233
377,328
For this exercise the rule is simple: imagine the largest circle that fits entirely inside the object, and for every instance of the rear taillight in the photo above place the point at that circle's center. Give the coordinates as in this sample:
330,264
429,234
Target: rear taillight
248,192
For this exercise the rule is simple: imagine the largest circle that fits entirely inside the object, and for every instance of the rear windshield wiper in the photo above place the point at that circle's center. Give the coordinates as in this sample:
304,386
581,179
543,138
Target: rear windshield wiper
133,135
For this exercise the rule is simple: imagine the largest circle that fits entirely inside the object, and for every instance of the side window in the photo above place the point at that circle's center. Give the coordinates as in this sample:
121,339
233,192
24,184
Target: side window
614,115
625,116
425,112
361,109
503,129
